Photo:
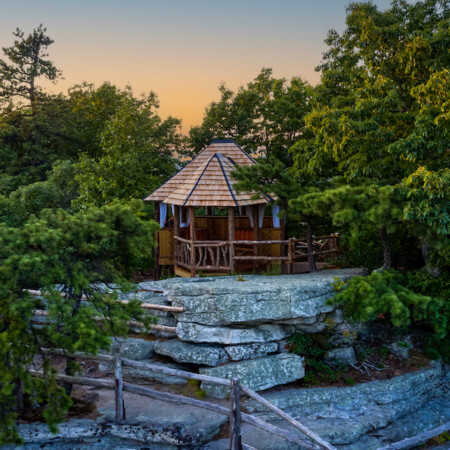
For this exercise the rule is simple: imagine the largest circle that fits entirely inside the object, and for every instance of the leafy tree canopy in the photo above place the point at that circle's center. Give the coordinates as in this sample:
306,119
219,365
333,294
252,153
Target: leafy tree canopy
265,117
137,154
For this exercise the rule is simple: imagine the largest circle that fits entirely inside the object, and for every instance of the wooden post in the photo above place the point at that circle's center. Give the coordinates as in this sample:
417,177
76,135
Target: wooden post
235,415
231,236
118,389
256,248
309,243
157,268
176,221
192,231
176,232
290,255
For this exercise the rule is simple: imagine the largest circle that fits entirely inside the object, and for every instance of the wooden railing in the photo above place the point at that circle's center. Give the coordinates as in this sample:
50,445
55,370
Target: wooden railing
209,255
145,306
234,411
215,255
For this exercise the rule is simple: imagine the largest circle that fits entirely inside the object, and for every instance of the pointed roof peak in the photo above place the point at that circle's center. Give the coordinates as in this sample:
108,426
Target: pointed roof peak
206,180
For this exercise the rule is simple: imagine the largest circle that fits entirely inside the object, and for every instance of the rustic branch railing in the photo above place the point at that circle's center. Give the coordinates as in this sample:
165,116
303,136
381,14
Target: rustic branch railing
215,255
209,255
234,412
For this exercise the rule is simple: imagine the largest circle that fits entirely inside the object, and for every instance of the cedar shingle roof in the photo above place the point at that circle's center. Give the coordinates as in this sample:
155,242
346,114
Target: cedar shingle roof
206,180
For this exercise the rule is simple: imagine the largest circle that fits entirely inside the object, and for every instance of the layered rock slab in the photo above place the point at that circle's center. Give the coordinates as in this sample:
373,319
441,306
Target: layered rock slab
223,301
190,353
257,374
345,415
198,333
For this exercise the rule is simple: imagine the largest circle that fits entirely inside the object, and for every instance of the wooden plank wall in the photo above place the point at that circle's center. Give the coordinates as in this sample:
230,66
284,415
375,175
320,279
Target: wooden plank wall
166,246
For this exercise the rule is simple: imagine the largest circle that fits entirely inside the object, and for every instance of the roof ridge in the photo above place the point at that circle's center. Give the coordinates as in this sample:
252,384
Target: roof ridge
227,180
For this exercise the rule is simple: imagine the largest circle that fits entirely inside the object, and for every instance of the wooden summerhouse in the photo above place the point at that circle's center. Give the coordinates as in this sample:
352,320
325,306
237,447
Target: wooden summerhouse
206,226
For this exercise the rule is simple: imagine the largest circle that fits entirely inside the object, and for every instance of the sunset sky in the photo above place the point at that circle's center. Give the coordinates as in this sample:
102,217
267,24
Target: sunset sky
180,49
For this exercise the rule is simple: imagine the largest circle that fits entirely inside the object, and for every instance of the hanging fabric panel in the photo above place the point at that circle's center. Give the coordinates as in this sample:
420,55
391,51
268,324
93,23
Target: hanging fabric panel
162,214
261,209
275,218
173,210
249,213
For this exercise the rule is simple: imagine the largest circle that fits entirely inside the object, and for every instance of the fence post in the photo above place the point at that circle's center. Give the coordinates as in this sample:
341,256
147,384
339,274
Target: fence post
235,415
118,389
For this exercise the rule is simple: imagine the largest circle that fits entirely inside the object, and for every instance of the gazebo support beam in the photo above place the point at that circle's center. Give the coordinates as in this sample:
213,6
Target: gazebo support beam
156,216
231,228
192,232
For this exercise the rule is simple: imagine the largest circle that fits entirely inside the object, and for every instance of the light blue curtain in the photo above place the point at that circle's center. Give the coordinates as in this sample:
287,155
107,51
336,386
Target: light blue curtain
162,214
261,209
275,218
249,213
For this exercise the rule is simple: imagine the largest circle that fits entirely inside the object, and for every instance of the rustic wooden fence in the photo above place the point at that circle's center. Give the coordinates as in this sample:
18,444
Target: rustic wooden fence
221,256
234,411
145,306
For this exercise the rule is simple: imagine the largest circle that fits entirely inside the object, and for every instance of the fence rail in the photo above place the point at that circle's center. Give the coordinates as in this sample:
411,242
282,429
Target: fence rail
217,255
146,306
234,411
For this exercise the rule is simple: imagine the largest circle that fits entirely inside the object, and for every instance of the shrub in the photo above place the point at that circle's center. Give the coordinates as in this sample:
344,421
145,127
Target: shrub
384,295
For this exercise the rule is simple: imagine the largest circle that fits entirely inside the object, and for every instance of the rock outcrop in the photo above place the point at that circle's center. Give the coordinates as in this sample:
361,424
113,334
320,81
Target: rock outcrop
257,374
241,328
225,301
346,415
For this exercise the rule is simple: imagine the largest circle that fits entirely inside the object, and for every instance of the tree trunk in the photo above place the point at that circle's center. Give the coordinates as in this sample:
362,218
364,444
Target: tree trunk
309,241
283,218
70,371
387,258
427,248
71,362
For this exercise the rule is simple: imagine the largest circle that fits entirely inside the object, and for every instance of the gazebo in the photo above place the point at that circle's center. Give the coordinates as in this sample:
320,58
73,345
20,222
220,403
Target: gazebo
209,227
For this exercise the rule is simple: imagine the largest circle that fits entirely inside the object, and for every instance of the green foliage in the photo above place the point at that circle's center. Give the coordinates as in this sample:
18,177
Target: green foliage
381,114
381,295
313,349
272,269
266,116
349,381
136,154
438,287
79,262
56,192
